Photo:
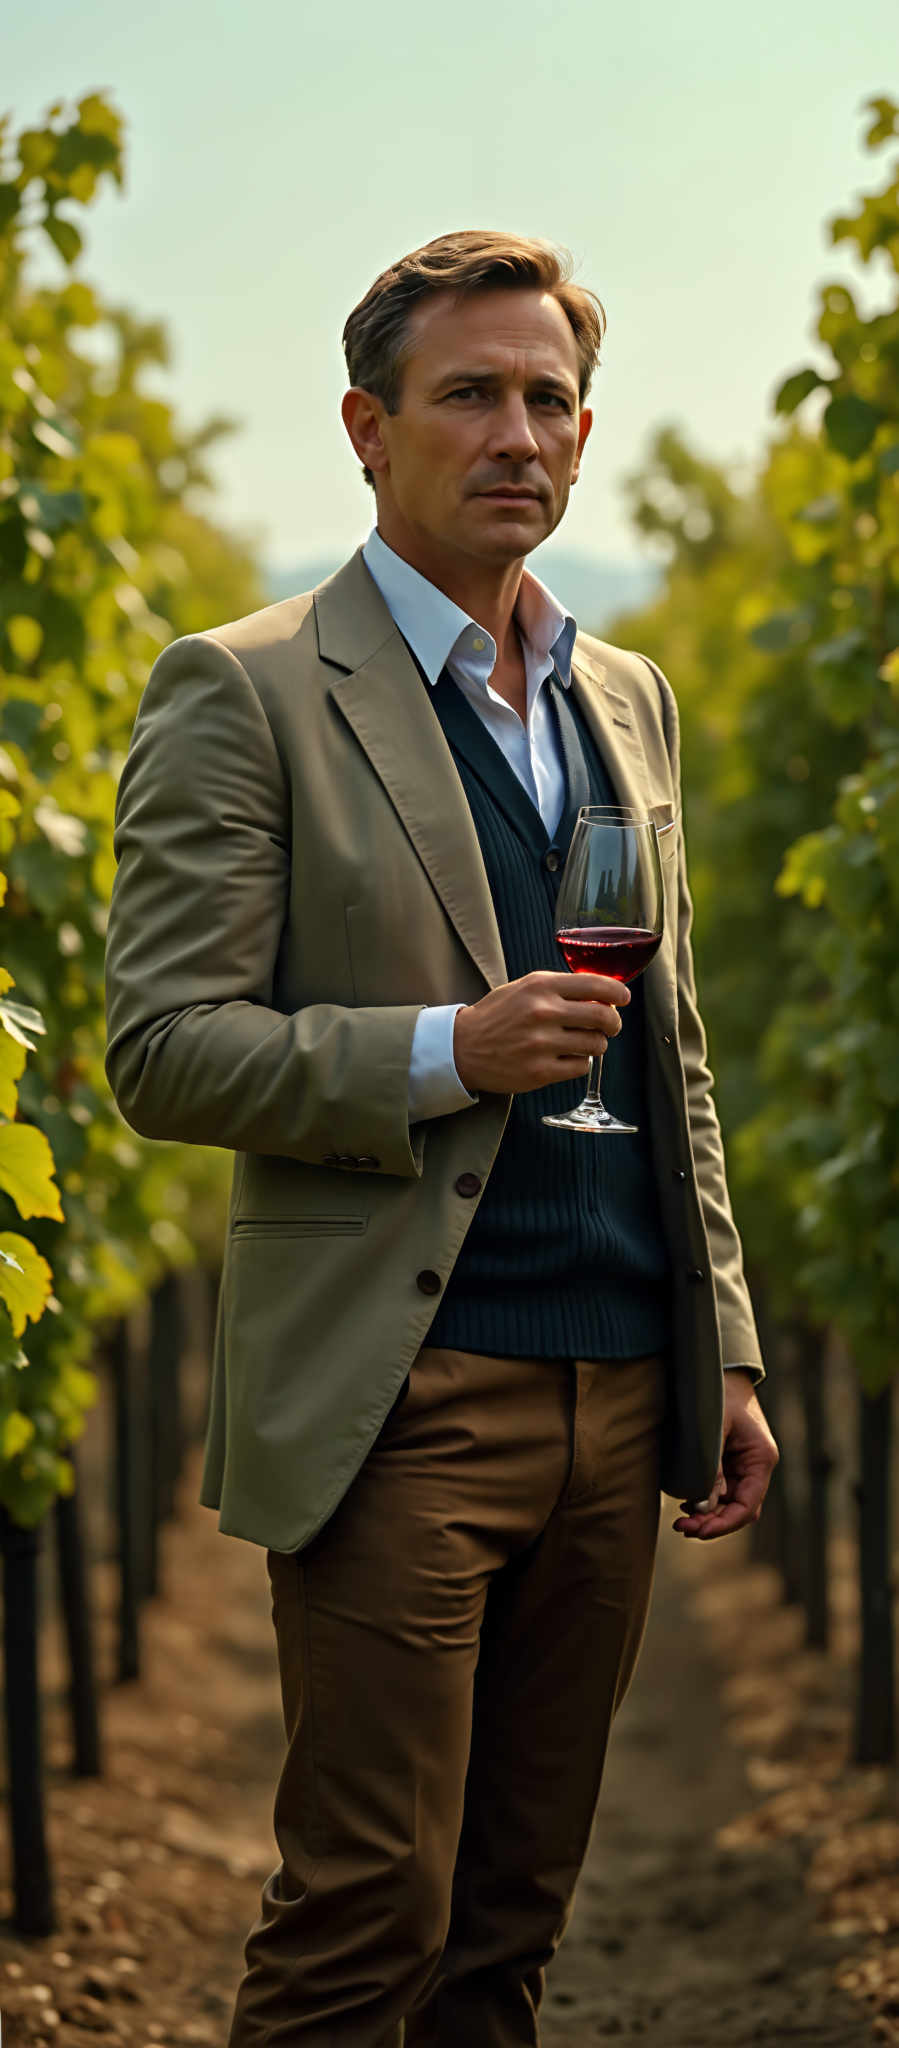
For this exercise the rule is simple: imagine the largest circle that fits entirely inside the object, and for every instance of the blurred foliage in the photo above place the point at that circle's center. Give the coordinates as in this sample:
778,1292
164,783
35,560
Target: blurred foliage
779,625
104,557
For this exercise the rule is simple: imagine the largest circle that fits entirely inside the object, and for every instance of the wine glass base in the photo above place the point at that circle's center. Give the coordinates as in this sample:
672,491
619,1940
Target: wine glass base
592,1118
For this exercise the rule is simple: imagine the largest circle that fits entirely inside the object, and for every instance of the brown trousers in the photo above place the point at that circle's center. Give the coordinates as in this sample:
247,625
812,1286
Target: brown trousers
452,1646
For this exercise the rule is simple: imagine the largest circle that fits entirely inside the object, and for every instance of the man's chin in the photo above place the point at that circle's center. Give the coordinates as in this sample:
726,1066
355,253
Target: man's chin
503,530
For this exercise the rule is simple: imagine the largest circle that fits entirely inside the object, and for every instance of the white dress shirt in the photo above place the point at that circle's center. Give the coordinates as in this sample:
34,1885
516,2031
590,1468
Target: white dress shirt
444,636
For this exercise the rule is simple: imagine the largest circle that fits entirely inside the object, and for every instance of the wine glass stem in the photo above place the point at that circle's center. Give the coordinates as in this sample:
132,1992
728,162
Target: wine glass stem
594,1076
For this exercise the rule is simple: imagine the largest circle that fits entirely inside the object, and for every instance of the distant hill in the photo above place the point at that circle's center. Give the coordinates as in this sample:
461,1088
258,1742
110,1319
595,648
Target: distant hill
592,587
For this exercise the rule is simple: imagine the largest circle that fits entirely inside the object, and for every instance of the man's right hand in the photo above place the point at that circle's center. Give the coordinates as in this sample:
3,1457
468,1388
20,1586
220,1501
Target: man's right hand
542,1028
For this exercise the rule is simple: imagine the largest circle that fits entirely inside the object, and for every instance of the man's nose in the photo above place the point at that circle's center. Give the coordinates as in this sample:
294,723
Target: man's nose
512,435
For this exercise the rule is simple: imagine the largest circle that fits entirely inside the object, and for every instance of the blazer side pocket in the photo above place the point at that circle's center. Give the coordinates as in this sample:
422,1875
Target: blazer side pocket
299,1226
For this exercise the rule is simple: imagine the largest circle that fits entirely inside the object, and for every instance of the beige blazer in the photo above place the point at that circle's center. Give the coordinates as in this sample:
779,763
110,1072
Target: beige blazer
298,874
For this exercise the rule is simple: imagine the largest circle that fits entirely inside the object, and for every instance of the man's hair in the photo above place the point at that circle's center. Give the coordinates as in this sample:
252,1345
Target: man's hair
376,338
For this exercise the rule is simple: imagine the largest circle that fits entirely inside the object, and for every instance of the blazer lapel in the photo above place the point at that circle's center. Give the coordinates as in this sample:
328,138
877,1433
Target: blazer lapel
386,704
614,729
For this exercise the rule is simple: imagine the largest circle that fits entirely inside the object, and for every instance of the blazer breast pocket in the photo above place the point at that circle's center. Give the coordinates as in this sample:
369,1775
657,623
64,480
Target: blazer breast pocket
668,833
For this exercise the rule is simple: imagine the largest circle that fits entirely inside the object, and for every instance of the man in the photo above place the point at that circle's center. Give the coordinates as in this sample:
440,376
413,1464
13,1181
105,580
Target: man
457,1352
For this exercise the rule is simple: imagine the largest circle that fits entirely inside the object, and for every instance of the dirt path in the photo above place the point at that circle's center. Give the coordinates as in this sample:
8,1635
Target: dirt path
674,1938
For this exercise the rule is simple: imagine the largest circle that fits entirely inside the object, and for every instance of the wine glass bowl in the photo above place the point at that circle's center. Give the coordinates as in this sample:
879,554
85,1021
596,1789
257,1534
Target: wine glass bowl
609,920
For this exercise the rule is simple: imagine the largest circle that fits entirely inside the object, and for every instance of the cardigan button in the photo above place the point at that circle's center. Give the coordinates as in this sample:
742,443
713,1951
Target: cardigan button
428,1282
469,1184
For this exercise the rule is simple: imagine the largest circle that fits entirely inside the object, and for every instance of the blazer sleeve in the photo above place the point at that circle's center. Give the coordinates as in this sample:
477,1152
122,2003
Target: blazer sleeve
196,1050
739,1338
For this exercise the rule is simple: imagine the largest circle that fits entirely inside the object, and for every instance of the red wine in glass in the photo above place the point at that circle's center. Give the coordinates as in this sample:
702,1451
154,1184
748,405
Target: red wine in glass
609,920
620,950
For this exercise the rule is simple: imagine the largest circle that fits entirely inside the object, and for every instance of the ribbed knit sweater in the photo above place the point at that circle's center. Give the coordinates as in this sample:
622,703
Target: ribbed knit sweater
565,1256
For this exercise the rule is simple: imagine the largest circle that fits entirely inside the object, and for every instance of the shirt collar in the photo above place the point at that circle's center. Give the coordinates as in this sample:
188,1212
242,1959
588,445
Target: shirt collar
436,628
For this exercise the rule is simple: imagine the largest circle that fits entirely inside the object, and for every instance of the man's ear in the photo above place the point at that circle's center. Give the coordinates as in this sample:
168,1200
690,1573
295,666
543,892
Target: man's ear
584,424
362,414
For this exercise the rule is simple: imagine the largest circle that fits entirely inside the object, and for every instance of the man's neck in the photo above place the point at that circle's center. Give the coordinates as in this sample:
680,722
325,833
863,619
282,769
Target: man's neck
487,591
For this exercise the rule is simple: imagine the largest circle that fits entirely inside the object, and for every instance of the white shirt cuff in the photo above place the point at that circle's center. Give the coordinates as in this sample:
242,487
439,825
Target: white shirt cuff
434,1086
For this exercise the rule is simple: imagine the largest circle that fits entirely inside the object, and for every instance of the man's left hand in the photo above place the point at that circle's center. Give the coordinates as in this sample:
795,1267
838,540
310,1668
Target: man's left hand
748,1457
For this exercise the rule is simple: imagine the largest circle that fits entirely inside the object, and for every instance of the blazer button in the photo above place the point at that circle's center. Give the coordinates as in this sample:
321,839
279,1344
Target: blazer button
552,860
677,1173
665,1038
468,1184
695,1273
368,1159
428,1282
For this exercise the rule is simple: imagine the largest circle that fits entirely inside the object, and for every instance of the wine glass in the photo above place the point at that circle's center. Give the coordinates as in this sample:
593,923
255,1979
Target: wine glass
609,919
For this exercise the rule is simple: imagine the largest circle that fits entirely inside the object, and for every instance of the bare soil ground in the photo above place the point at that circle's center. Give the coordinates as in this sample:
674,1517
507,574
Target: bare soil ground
741,1884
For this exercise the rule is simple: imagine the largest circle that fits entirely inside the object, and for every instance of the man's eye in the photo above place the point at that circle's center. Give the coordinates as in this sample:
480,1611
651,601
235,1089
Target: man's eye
554,398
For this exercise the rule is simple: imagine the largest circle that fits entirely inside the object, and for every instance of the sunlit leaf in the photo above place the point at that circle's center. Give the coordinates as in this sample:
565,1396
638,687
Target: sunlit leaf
26,1171
16,1431
25,637
97,117
24,1285
12,1064
19,1022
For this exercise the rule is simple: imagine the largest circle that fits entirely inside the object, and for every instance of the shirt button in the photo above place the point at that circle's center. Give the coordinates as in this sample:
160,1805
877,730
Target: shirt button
695,1273
468,1184
478,644
428,1282
552,860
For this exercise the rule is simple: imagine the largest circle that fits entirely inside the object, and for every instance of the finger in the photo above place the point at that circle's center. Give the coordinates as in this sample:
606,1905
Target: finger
722,1521
707,1506
606,1025
593,988
727,1519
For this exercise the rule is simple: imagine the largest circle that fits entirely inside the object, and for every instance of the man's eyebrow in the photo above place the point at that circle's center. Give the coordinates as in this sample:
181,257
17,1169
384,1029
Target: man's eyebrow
544,378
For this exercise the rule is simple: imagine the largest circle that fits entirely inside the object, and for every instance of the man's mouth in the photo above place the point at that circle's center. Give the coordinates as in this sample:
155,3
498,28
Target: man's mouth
509,491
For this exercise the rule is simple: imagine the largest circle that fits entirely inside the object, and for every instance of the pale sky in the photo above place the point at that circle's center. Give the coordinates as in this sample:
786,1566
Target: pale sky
280,155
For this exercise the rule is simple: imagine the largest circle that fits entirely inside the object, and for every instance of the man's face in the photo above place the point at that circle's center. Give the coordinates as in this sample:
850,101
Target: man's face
482,453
